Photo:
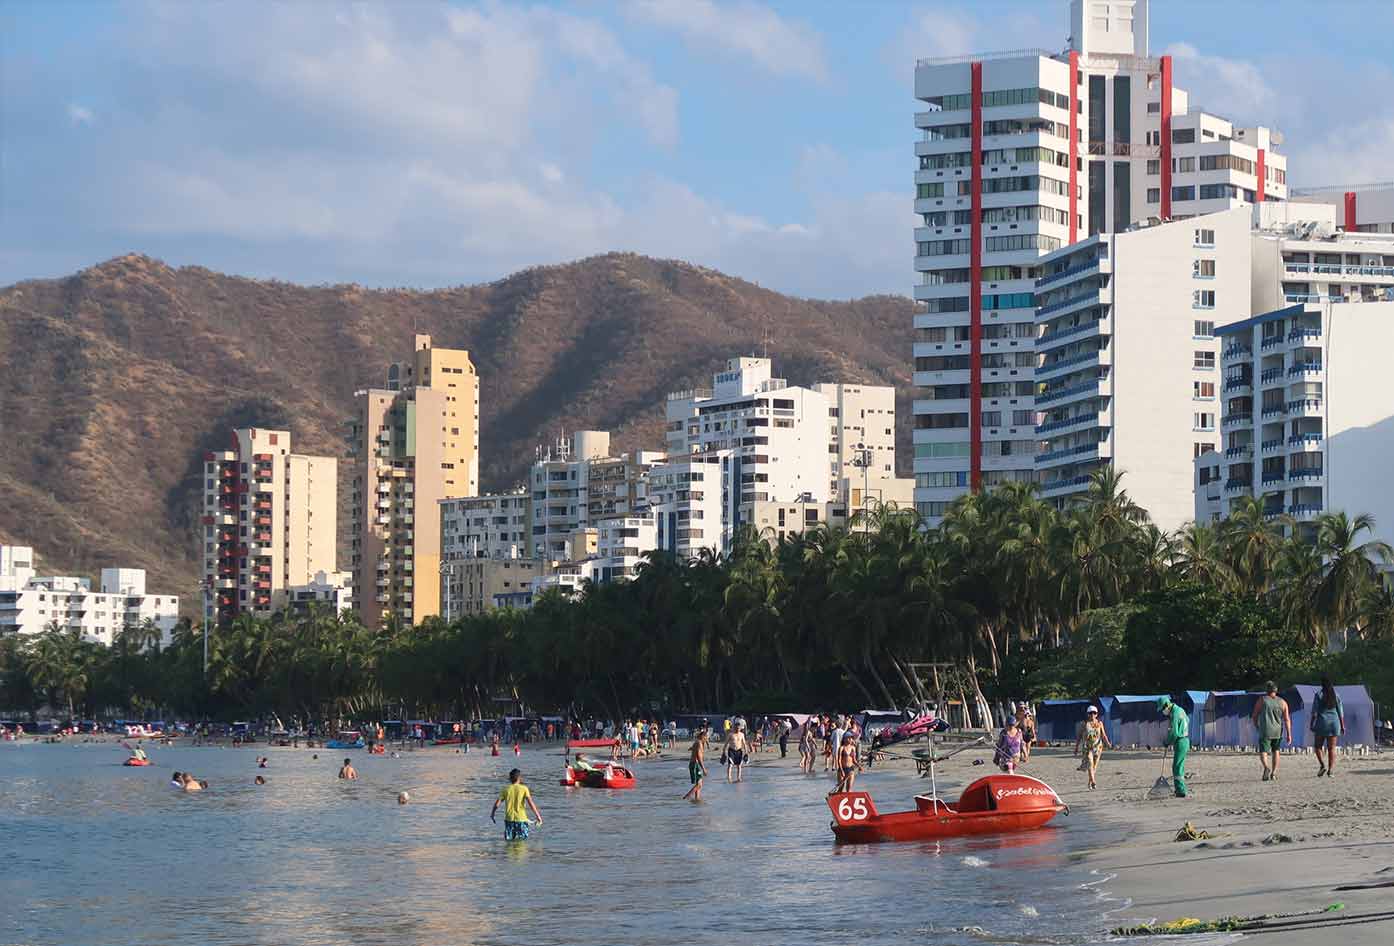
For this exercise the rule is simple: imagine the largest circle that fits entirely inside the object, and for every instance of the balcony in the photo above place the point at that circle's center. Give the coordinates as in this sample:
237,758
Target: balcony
1050,368
1272,479
1307,473
1234,485
1233,453
262,520
1306,406
1086,298
1059,394
1271,374
1270,445
1234,420
1304,332
1305,367
1050,339
1305,440
228,474
1242,385
1067,273
1271,411
1272,341
1075,421
1071,454
1068,485
1304,511
1237,351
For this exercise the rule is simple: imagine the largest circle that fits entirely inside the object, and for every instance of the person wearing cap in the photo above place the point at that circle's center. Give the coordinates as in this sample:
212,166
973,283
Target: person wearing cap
1027,721
1272,718
1093,738
1179,738
1008,747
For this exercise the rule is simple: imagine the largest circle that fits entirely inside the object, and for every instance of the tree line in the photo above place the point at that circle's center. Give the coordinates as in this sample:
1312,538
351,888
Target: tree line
1006,597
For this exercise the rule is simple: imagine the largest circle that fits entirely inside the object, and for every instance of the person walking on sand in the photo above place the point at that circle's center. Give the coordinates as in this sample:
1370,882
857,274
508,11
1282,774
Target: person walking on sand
516,799
1328,724
696,767
1272,719
1093,738
1178,737
1008,749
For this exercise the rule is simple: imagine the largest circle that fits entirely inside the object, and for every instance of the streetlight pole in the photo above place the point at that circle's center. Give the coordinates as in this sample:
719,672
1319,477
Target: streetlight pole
206,584
447,570
863,460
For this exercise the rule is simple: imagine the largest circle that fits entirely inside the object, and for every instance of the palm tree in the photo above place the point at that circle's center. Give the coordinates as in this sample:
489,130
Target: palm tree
1251,540
1348,569
1201,556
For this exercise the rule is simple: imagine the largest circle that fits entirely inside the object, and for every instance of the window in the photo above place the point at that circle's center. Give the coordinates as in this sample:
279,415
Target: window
1154,167
1205,421
1154,137
1183,136
1154,195
1154,108
1203,389
1184,193
946,247
941,450
942,479
1183,165
931,510
1203,299
992,418
1203,269
1218,191
1200,448
925,191
1205,238
1203,360
1023,241
1203,329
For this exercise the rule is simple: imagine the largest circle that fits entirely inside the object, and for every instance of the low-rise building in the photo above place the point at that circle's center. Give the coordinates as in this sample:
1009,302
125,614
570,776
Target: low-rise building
497,525
331,591
475,585
692,503
622,545
30,604
1361,208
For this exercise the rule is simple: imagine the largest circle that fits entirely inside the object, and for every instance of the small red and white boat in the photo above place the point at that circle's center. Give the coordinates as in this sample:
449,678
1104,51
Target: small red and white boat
994,804
602,776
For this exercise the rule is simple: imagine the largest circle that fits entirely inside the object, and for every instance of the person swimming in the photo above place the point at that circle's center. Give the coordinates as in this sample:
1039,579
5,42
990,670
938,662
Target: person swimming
191,784
348,772
260,780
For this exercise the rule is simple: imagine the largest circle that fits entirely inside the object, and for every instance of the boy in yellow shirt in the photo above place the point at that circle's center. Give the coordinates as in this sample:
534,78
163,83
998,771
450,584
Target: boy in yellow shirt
516,798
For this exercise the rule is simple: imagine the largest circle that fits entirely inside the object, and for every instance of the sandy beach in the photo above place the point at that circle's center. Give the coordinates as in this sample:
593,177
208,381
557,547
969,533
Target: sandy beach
1278,847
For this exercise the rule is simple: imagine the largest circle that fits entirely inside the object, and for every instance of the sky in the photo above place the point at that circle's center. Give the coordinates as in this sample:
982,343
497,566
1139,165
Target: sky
432,144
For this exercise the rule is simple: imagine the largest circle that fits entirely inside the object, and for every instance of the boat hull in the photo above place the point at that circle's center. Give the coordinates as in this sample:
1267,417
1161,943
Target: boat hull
340,744
996,804
591,743
136,763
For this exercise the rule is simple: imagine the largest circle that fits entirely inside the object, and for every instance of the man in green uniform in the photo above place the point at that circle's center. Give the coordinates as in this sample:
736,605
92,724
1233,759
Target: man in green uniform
1179,738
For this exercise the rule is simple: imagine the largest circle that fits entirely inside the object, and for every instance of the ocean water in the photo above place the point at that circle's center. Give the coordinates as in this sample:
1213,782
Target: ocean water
92,852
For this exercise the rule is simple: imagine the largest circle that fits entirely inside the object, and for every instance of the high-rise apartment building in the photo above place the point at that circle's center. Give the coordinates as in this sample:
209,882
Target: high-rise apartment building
1020,155
1307,421
577,484
1129,364
414,441
269,522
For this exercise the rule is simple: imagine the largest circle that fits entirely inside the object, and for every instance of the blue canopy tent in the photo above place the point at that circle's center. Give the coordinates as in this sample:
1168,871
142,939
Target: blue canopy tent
1227,718
1194,703
1059,720
1134,720
1105,704
1355,701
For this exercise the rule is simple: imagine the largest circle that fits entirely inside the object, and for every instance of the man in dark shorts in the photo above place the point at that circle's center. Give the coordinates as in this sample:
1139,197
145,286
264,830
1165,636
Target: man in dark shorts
696,770
1271,718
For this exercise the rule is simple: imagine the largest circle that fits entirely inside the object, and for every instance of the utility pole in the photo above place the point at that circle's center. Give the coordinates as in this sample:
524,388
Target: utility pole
447,570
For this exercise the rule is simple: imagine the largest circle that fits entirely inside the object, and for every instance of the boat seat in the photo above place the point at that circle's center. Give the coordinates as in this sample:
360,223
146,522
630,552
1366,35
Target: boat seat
928,803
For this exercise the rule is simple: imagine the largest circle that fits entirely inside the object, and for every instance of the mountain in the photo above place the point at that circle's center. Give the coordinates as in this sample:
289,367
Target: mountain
114,381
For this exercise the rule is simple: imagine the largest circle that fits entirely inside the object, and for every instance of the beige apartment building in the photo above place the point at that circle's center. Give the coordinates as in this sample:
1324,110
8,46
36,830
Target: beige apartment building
415,441
269,522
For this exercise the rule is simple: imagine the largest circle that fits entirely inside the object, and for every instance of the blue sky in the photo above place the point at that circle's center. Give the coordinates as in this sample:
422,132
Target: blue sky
430,144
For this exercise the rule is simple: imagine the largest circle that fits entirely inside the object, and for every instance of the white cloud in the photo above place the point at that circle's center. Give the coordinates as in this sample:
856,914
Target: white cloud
749,30
79,115
1235,89
959,30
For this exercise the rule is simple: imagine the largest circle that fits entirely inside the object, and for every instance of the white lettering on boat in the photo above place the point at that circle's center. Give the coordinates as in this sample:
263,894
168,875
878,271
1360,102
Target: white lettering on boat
1004,792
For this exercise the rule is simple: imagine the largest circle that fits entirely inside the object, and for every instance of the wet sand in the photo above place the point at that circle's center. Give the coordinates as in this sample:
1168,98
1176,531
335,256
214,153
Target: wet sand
1278,847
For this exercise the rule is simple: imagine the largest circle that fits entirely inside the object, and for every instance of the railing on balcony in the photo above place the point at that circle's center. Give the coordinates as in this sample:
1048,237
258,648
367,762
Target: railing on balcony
1067,273
1234,384
1304,403
1067,452
1271,374
1234,484
1305,331
1066,303
1237,351
1307,473
1049,337
1047,396
1245,451
1304,509
1064,483
1272,445
1297,439
1068,362
1067,422
1305,367
1232,419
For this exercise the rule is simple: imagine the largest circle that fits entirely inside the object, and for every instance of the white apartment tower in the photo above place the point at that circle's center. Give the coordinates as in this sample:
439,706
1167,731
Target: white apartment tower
1129,363
1021,154
269,522
30,604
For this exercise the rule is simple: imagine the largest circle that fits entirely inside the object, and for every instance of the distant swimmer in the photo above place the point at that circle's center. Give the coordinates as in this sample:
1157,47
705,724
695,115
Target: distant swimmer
188,783
348,771
516,799
262,762
517,749
403,797
260,780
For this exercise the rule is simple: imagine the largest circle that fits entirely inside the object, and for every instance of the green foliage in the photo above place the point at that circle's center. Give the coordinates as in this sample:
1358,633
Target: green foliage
1007,597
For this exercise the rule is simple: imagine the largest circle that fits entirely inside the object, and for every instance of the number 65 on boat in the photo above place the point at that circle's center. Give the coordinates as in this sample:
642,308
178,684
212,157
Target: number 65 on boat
994,804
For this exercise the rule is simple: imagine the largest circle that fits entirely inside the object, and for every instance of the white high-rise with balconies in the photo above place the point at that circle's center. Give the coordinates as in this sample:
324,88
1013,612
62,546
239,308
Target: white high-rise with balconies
1021,154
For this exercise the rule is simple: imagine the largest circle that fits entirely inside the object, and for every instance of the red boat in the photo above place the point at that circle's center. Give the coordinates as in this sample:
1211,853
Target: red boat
133,761
995,804
591,743
607,776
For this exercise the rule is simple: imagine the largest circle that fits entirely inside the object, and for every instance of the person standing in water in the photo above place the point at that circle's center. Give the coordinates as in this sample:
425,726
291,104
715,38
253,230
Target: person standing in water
1328,724
1178,737
737,752
1093,738
1272,719
696,765
848,765
348,772
516,799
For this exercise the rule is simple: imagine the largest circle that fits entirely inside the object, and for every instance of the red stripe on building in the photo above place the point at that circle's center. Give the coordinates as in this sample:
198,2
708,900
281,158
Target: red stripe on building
1073,150
1350,211
1258,194
975,283
1166,137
